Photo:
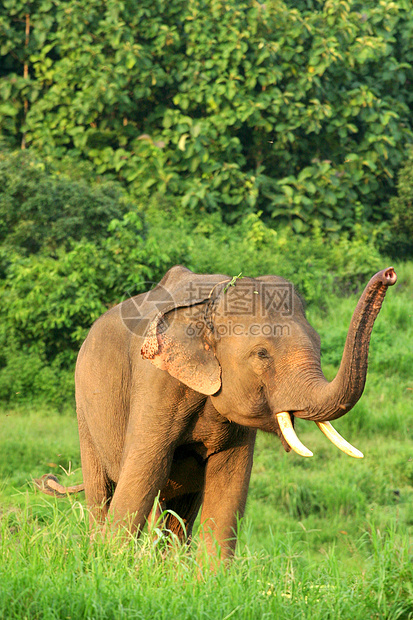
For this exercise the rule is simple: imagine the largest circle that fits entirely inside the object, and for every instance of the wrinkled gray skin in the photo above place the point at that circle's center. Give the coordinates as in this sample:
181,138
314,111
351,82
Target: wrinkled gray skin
169,399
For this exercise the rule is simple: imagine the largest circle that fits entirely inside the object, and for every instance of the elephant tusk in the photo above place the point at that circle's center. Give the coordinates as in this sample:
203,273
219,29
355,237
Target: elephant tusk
289,434
339,441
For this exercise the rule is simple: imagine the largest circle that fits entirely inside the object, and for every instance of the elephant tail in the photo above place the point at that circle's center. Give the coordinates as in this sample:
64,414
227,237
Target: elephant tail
50,485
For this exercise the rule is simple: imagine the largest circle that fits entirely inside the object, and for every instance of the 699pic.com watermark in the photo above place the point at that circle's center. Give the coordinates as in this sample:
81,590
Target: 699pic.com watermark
231,328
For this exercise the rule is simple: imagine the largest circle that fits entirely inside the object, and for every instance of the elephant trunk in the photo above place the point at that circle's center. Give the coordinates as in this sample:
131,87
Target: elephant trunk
332,400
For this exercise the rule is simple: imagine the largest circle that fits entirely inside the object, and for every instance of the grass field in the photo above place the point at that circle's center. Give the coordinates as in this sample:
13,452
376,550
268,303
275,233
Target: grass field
327,537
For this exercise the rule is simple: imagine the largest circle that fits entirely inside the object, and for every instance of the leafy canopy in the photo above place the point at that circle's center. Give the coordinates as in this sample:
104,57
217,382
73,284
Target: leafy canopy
300,110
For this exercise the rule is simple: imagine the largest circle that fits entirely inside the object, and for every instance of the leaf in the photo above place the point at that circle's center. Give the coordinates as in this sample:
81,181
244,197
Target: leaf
299,226
8,109
182,141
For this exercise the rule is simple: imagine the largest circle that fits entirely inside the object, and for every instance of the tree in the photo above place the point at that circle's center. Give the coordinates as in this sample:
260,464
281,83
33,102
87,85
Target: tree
299,110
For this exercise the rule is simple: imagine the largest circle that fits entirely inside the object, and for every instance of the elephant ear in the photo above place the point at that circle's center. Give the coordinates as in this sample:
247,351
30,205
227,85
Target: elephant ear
175,340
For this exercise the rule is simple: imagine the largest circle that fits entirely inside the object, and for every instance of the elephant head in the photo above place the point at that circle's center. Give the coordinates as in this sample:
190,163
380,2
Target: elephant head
247,344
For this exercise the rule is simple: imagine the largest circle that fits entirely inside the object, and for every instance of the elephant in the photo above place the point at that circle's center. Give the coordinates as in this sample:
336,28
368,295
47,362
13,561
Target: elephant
173,384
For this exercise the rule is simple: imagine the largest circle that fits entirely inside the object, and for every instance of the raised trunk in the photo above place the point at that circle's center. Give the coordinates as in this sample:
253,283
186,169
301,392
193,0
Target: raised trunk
332,400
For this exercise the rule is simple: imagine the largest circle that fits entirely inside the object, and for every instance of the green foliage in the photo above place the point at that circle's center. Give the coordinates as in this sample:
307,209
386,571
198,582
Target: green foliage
316,267
298,110
26,375
59,270
43,210
401,210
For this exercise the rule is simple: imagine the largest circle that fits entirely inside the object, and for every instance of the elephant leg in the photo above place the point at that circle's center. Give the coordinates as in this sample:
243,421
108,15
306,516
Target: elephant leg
140,480
186,507
226,487
98,488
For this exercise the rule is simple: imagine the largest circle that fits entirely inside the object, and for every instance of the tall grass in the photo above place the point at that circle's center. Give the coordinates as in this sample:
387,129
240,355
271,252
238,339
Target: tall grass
56,572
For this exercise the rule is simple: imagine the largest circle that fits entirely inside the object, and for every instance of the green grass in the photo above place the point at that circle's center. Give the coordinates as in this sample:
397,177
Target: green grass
60,575
327,537
49,569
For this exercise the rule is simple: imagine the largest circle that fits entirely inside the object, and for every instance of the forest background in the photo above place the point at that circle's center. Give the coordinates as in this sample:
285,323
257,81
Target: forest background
229,136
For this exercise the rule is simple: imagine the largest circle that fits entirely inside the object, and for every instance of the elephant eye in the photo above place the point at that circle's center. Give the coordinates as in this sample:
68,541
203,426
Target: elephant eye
262,354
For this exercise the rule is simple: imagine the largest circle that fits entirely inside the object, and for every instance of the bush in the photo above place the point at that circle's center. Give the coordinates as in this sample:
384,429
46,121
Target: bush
318,267
401,210
42,210
27,376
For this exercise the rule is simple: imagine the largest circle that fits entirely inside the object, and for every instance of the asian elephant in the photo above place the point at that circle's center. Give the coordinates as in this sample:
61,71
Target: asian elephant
172,385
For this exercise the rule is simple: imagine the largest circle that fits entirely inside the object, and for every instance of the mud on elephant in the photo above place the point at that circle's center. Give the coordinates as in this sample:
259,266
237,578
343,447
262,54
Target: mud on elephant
172,385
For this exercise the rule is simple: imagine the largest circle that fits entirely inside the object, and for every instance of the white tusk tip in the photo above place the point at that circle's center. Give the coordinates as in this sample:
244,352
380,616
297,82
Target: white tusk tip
339,441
